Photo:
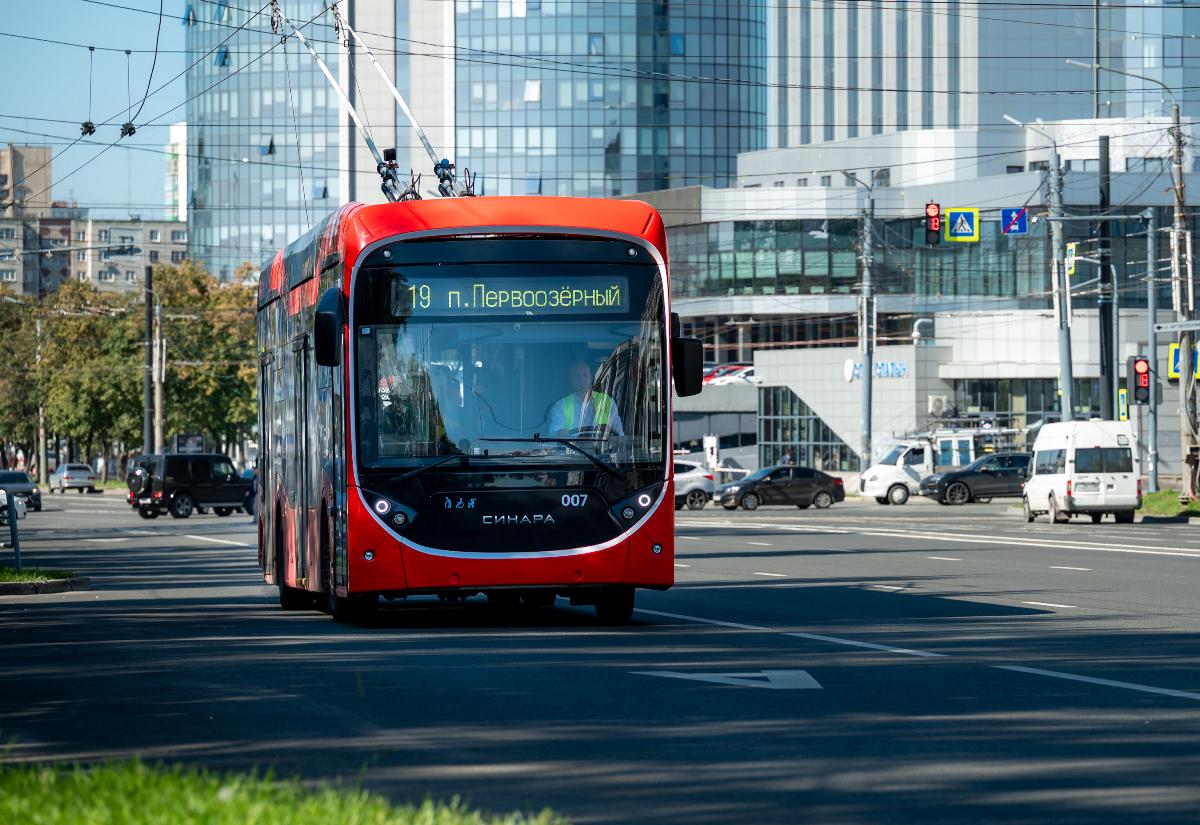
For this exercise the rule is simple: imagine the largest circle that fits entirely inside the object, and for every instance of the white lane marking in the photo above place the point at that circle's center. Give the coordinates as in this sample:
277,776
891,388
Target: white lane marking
1062,567
1052,604
885,587
218,541
770,679
1056,674
759,543
106,541
687,538
811,636
1053,544
677,564
772,575
942,558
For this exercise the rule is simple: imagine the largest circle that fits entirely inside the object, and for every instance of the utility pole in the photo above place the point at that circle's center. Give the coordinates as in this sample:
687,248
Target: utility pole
1105,302
148,376
1152,345
42,474
1183,296
867,326
1062,289
160,364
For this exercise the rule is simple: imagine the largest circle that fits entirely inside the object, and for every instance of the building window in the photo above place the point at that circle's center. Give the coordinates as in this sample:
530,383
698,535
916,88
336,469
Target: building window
595,45
178,235
8,255
9,275
81,255
130,276
533,91
107,275
1013,170
802,181
154,235
7,233
901,67
3,180
1039,166
81,275
852,70
827,180
320,191
102,235
787,425
830,52
267,148
926,64
806,78
678,45
779,183
153,256
221,57
176,257
81,236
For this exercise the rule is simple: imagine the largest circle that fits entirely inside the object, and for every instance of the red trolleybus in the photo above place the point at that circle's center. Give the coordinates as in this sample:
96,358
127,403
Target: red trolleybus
469,396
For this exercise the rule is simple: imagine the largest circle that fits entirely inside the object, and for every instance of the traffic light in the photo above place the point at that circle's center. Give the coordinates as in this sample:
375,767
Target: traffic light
1139,379
933,223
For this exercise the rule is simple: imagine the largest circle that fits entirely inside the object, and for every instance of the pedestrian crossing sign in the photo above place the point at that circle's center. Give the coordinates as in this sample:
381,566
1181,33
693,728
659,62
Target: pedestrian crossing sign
962,225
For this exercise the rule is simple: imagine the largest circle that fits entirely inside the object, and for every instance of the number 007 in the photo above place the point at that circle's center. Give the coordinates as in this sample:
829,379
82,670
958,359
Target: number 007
576,500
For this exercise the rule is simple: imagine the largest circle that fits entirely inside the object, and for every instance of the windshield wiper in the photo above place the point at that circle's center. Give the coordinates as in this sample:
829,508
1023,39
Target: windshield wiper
426,467
570,443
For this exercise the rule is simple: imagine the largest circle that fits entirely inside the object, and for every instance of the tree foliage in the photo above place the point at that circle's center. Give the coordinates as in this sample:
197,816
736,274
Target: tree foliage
85,366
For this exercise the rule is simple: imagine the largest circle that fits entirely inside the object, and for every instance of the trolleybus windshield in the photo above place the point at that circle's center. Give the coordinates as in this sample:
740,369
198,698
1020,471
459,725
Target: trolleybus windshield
513,366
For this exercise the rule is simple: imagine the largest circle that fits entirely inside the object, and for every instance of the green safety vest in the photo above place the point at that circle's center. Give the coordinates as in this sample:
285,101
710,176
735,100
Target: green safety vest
602,404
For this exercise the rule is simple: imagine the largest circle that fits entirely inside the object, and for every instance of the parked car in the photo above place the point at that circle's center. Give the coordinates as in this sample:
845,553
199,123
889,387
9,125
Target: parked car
1087,467
20,507
184,483
737,375
723,370
995,476
79,477
22,486
694,485
801,486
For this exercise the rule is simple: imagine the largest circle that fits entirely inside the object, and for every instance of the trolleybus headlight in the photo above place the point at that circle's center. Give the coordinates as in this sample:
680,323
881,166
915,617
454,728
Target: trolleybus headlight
627,513
656,549
644,500
399,519
369,555
382,507
637,504
392,513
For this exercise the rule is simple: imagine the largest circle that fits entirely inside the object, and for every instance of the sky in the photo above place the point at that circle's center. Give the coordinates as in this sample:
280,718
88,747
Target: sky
44,80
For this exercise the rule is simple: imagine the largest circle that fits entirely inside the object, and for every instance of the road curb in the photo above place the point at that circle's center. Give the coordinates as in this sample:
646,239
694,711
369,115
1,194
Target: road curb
42,587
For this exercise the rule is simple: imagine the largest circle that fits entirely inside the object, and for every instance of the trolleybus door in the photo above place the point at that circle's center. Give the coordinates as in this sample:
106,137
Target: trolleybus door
300,469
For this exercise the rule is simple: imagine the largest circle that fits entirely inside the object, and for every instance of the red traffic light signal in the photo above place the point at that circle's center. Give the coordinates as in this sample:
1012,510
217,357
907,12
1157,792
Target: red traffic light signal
933,210
1139,379
933,223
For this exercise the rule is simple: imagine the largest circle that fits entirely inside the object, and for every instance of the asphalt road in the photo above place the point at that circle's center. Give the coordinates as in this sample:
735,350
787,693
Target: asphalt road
863,664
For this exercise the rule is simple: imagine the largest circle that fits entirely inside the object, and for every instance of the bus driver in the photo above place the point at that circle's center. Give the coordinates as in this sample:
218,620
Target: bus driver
584,407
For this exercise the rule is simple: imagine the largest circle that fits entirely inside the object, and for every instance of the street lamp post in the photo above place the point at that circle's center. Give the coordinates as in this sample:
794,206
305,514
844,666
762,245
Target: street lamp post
866,322
1058,275
1182,296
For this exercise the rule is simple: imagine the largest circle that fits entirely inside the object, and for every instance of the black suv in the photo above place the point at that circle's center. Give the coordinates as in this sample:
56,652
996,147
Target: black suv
183,483
993,476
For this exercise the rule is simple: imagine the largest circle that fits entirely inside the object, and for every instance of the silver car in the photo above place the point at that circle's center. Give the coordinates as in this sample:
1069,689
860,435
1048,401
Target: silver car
20,507
694,485
80,477
21,485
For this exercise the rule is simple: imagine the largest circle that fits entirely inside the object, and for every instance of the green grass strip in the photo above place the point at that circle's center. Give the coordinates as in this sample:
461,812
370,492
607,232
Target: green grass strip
134,793
1166,503
32,574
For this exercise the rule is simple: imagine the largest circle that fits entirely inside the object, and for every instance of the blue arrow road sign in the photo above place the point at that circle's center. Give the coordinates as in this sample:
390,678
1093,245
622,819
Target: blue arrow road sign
1014,221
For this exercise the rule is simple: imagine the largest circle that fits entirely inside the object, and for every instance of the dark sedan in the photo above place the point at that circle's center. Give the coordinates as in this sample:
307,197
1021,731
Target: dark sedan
21,485
993,476
801,486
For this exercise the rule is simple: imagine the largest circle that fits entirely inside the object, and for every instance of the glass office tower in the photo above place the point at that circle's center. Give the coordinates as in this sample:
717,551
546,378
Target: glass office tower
568,97
263,132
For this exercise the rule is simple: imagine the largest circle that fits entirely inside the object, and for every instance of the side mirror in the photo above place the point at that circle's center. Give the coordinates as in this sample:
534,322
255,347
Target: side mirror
687,362
327,328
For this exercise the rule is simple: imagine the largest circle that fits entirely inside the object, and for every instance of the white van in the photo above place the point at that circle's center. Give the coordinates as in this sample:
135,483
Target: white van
1084,467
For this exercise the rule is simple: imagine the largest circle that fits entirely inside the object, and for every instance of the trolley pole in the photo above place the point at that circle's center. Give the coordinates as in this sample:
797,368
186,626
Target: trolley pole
1152,347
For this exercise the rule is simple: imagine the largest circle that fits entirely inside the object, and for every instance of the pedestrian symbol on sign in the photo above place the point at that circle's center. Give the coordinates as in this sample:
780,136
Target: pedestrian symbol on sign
962,225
